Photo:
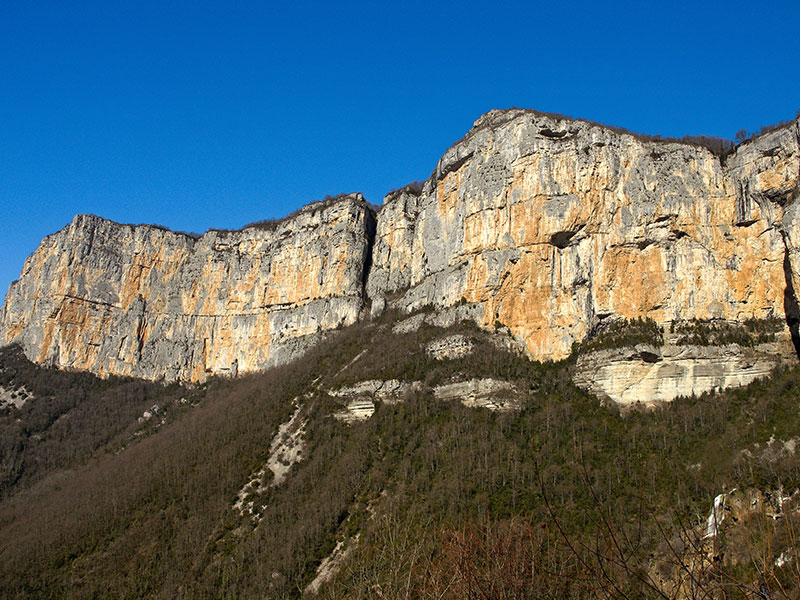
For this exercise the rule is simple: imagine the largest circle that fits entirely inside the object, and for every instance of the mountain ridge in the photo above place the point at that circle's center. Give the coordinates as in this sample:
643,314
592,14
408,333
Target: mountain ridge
528,222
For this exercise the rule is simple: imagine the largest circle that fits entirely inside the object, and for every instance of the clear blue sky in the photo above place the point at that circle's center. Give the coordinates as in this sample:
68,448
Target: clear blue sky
196,115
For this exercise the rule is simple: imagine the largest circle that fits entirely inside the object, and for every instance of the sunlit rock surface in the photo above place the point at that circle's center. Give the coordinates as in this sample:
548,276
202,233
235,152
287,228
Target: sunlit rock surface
550,225
144,301
649,374
532,225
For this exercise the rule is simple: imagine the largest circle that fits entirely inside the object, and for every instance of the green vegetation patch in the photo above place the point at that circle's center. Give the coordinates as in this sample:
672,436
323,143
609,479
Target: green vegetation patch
621,333
748,333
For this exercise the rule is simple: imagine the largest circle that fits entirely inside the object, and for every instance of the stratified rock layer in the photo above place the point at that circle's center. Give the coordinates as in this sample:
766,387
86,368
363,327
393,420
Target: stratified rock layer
650,374
549,226
143,301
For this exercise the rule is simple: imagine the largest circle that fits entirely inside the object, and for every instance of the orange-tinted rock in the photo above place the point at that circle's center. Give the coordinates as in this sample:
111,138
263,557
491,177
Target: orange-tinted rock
546,226
553,225
144,301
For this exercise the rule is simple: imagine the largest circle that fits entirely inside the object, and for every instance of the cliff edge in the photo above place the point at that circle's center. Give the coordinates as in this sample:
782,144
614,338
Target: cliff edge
147,302
550,226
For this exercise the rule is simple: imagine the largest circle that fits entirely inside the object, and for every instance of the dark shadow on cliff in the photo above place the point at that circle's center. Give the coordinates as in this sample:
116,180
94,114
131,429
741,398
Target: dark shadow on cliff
790,305
370,230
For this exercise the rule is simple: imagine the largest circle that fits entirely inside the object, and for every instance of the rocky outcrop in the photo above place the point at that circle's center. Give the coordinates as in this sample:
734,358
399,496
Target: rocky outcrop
389,391
450,347
359,409
540,227
14,396
649,374
359,399
549,226
488,393
144,301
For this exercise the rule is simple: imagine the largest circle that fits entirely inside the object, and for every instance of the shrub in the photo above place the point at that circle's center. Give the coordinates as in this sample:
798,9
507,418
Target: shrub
748,333
620,333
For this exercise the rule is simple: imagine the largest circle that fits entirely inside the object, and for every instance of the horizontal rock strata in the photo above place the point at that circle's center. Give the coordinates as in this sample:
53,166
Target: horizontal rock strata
649,374
488,393
389,391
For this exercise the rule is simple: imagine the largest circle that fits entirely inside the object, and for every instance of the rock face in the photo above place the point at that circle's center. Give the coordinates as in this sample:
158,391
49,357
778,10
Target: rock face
390,391
493,394
359,399
649,374
549,226
541,226
147,302
16,397
359,405
453,346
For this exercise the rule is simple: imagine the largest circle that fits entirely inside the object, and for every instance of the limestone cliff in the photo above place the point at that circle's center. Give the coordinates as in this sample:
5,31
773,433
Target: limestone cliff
549,226
545,226
144,301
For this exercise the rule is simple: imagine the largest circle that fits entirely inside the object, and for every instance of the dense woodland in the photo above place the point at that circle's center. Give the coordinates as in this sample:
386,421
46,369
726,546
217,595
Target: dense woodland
565,498
74,414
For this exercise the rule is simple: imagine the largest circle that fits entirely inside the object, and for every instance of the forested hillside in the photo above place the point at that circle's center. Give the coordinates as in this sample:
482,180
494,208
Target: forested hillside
544,491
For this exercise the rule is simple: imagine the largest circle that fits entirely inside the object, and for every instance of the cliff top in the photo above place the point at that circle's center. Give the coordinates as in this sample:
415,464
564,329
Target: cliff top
495,118
87,219
719,146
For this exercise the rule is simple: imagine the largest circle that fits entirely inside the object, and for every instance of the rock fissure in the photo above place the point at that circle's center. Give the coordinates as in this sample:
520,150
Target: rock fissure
791,306
370,231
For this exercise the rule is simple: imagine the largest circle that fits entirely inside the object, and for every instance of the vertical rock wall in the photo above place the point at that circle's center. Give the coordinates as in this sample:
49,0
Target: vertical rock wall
764,172
545,225
144,301
553,225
